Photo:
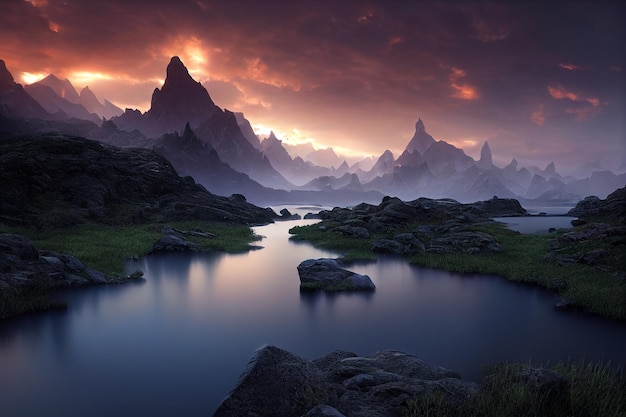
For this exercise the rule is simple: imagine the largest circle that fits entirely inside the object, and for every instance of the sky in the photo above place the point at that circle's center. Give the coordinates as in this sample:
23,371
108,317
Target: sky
541,81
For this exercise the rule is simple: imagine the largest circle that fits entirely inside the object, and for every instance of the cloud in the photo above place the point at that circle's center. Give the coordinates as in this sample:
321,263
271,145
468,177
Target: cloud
461,89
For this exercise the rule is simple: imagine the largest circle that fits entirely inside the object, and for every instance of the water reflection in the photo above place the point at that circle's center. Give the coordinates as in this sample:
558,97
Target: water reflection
176,344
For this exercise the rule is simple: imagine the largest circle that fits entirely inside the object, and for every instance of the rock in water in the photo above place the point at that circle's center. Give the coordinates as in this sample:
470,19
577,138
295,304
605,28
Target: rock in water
328,275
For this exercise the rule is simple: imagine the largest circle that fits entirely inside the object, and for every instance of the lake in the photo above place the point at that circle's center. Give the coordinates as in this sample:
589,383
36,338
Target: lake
177,343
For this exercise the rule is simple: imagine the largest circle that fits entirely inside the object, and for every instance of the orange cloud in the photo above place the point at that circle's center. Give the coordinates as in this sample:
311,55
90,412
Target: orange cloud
462,91
560,93
538,117
569,67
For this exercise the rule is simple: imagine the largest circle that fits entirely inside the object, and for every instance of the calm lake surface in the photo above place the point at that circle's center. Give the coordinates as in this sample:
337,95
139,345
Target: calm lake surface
176,344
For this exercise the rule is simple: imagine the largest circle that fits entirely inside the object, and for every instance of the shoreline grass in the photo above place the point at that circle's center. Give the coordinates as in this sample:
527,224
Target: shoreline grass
595,389
524,259
106,247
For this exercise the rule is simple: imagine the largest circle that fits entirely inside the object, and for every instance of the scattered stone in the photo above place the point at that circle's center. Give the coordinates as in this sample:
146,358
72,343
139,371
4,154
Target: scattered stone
390,246
285,214
353,231
173,243
328,275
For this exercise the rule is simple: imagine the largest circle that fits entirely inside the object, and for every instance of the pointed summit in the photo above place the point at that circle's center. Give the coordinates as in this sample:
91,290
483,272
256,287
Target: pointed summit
180,100
421,140
485,161
177,74
6,79
14,100
62,88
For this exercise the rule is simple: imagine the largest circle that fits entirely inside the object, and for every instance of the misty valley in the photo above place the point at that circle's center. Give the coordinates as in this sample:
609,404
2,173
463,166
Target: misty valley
173,263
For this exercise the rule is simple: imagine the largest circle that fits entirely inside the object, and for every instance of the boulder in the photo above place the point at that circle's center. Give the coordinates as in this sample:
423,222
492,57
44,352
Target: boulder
275,383
173,243
353,231
390,246
328,275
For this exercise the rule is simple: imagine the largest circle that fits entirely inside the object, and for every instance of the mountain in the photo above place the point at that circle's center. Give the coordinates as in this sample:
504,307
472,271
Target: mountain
384,165
421,140
55,104
89,101
485,161
246,129
182,100
62,88
192,157
325,157
15,102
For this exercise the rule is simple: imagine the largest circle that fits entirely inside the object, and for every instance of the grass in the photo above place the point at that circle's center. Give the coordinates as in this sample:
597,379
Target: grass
523,259
105,247
595,389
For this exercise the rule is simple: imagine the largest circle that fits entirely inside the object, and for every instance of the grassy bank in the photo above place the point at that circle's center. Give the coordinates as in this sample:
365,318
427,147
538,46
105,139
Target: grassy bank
596,389
525,258
105,247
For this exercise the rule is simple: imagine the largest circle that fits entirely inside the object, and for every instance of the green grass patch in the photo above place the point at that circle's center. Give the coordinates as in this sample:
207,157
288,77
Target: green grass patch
105,247
523,259
351,249
596,389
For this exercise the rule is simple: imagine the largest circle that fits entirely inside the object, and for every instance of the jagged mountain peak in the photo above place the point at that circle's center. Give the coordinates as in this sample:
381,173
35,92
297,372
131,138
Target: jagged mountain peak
485,161
62,88
6,79
421,140
177,74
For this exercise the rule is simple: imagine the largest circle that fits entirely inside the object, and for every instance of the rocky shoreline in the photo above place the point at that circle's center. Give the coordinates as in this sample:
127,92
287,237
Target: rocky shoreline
388,383
28,274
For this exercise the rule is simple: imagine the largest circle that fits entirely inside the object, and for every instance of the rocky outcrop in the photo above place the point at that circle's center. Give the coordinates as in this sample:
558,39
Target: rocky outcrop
612,209
277,383
328,275
25,270
388,383
392,212
173,243
52,180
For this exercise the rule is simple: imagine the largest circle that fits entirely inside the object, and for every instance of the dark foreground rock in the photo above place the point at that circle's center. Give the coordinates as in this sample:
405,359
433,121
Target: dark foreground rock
388,383
612,209
328,275
277,383
25,270
55,181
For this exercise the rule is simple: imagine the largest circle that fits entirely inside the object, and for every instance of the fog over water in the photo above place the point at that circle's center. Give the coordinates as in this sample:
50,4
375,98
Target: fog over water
176,344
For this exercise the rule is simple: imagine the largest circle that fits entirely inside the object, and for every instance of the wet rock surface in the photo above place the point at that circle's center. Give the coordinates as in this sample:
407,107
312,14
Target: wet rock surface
328,275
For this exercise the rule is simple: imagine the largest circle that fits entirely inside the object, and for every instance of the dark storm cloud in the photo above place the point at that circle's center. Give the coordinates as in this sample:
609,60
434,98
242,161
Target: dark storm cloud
473,70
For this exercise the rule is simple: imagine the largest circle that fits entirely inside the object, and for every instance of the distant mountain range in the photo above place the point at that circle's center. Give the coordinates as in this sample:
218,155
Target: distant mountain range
220,150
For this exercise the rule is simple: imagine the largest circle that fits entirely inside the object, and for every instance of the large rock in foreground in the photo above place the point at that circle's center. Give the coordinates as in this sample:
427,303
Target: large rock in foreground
278,383
328,275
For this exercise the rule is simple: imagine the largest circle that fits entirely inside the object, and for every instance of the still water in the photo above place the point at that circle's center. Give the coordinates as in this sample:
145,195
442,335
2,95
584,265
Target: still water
176,344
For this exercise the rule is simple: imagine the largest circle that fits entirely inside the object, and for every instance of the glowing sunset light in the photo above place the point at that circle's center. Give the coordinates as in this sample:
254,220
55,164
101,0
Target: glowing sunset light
350,73
30,78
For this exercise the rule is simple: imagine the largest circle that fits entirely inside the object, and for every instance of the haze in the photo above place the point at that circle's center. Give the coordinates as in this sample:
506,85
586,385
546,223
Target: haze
541,81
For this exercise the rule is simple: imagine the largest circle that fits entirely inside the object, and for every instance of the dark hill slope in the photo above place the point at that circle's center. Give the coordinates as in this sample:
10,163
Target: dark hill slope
51,180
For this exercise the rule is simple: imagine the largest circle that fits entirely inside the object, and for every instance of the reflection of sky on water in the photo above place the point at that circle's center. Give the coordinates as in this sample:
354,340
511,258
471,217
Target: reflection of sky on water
176,344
